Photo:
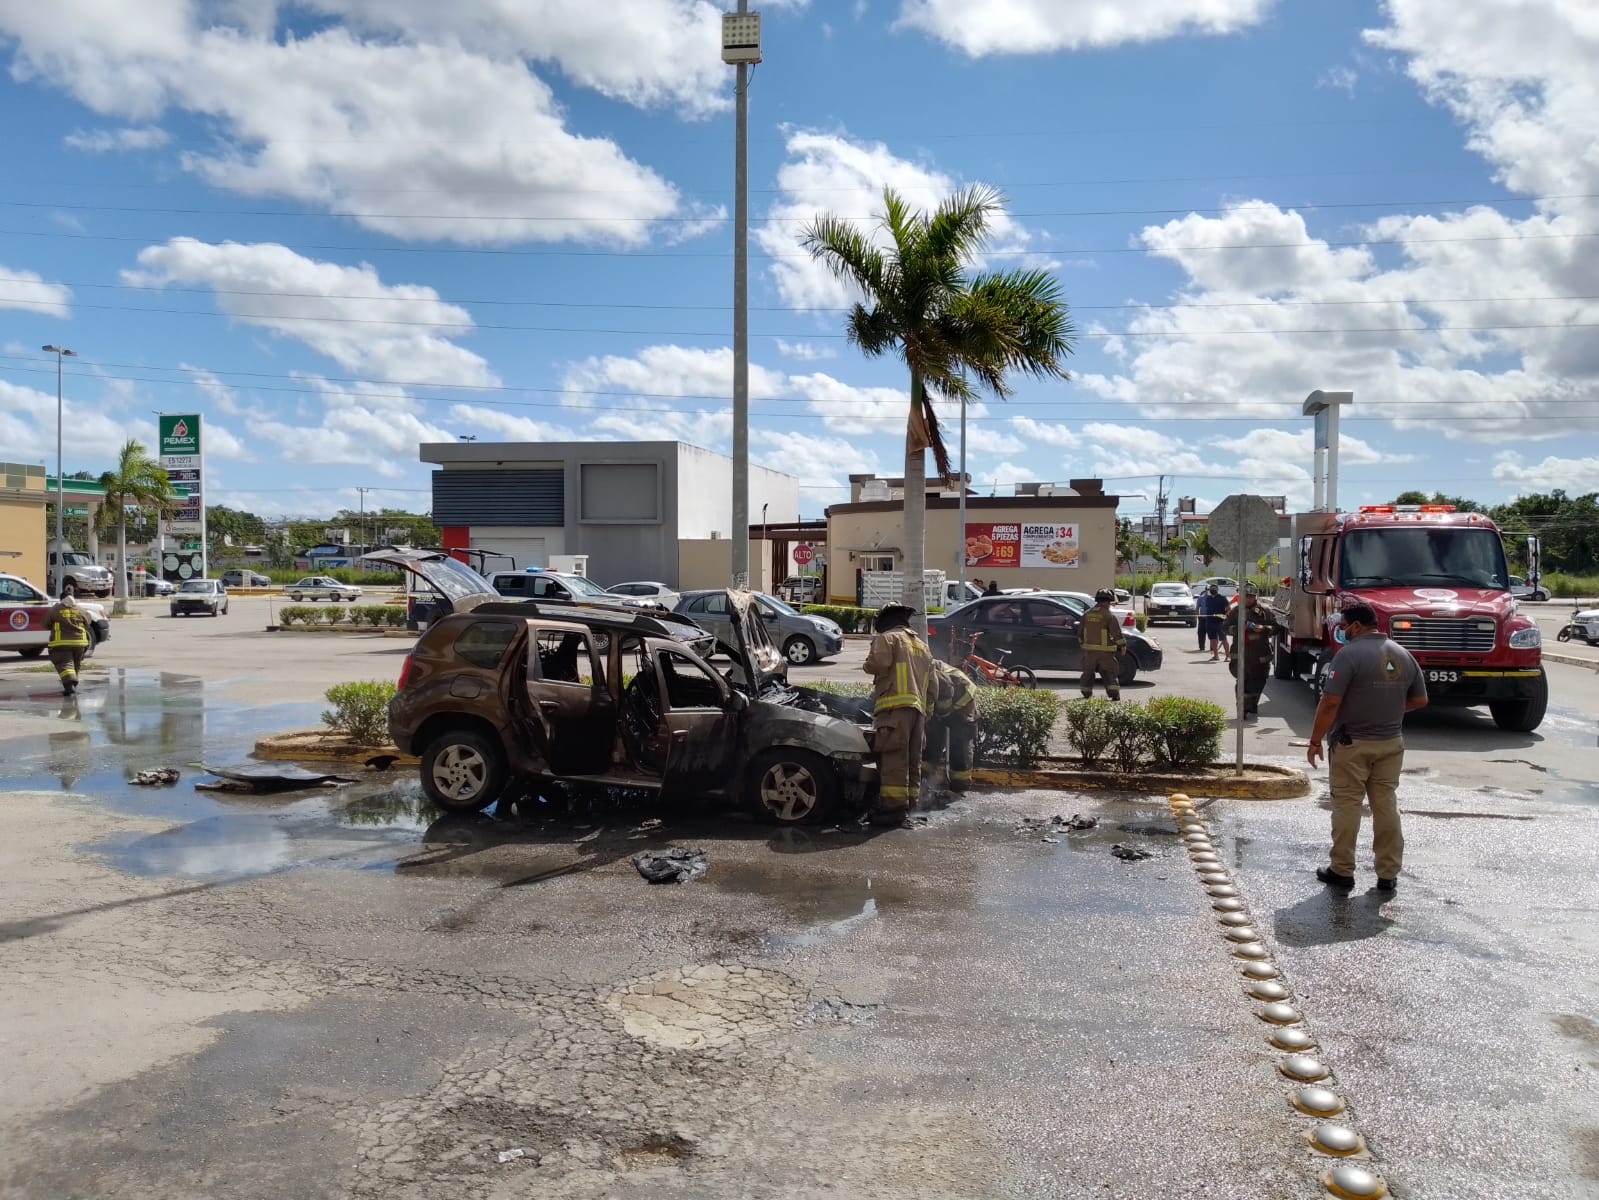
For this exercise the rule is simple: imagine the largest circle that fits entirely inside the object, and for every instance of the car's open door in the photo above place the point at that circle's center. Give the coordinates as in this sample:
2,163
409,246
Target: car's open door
571,705
699,720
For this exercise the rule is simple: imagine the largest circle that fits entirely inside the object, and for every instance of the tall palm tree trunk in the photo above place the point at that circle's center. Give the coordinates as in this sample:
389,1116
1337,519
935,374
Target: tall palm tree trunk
915,532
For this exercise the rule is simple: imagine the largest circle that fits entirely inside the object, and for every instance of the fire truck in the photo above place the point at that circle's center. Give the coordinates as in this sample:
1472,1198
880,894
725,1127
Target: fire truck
1440,586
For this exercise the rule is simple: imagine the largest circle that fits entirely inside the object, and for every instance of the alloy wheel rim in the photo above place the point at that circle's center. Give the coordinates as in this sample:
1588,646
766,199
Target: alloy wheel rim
460,772
788,791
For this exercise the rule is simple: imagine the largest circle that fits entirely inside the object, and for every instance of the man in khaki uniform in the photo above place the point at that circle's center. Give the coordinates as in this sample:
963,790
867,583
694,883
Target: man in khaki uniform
69,642
1259,648
952,729
903,692
1103,642
1372,683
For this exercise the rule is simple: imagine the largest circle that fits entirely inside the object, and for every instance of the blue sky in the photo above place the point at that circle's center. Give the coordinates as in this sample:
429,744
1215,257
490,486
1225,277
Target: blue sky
341,227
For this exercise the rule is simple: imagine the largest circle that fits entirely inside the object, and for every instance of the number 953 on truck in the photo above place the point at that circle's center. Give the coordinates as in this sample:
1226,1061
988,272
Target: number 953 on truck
1440,586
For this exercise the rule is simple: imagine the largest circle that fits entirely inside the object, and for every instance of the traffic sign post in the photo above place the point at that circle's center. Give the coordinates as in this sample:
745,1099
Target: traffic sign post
803,554
1242,528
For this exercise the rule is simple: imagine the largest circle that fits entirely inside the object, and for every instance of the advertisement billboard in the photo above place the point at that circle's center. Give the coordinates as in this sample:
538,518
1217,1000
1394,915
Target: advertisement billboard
1022,545
993,546
182,456
1050,546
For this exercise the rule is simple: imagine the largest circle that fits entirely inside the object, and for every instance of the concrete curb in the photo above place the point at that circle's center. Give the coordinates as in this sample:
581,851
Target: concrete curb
1260,781
1571,660
315,745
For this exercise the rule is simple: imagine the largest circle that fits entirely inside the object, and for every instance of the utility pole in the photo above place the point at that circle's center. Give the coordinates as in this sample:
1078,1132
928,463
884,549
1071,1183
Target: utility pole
741,46
61,491
360,534
1160,513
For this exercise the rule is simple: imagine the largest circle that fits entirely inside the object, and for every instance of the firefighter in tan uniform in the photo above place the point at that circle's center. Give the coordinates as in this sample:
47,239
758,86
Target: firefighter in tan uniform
901,668
1103,642
69,642
952,729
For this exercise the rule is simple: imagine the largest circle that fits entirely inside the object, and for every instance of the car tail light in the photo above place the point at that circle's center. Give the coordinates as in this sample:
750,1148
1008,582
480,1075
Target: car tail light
1128,622
405,673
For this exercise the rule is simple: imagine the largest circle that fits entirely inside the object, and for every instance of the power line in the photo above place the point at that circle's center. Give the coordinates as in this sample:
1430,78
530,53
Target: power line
1422,301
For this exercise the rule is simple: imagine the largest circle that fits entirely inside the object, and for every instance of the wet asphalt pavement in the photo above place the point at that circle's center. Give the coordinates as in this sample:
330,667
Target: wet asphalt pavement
340,993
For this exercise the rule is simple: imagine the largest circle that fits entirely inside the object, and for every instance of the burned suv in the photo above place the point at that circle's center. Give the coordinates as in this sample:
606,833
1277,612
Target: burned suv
534,694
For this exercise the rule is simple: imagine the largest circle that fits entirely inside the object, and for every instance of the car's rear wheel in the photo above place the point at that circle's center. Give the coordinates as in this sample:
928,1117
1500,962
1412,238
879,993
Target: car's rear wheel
31,651
463,771
787,786
1128,670
800,650
296,597
94,643
1283,663
68,589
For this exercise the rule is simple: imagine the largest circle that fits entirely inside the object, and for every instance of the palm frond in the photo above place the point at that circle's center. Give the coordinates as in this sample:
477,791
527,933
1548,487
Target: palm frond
845,251
959,227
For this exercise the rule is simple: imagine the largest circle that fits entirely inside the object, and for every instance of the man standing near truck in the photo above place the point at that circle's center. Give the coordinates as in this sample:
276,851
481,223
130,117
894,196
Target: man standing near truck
1255,654
1372,683
1102,642
901,668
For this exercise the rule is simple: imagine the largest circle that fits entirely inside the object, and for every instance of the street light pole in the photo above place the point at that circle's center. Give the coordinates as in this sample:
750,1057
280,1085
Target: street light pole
61,510
960,534
741,46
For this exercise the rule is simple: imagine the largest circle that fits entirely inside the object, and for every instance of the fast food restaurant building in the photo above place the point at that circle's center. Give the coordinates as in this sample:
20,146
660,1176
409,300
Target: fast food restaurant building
1048,536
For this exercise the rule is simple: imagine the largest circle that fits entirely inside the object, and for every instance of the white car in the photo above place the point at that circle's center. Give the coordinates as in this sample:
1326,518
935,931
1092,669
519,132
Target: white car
1122,611
1171,602
648,589
1225,586
25,613
1521,591
318,587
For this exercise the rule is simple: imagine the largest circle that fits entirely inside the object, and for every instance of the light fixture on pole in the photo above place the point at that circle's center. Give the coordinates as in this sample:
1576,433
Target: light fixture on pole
61,512
1323,407
741,47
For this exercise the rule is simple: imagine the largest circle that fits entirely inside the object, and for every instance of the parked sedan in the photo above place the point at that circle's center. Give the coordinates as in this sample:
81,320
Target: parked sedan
1171,602
318,587
647,590
1039,631
245,579
804,639
200,596
1520,590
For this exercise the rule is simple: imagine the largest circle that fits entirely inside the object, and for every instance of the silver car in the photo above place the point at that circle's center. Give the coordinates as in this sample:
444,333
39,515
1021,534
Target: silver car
804,639
647,589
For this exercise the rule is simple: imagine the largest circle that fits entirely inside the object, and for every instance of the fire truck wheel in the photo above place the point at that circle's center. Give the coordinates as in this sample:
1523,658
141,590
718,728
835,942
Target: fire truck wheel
1522,716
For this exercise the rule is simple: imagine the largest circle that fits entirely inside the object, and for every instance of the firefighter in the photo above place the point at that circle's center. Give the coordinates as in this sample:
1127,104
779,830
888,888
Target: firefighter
69,642
902,695
1102,641
1259,648
952,729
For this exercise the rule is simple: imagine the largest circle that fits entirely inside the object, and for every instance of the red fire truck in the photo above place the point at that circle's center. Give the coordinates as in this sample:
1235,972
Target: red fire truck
1440,586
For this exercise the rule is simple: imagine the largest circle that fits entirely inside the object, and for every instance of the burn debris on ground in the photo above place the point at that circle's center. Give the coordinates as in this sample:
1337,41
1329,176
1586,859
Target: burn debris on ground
263,777
1130,853
156,777
1056,824
678,865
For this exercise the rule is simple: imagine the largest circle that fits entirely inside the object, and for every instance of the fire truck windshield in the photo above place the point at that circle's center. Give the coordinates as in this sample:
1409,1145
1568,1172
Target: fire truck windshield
1419,557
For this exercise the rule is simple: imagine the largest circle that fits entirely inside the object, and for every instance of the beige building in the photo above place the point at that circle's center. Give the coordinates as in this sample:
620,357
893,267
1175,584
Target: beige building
22,526
1050,537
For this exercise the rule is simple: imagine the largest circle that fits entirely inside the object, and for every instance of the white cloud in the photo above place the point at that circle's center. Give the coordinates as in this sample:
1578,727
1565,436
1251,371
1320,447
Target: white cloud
213,389
28,292
375,426
818,462
983,439
1043,26
1339,79
805,351
118,141
507,426
666,370
1577,476
1299,446
28,429
414,140
1045,433
833,173
393,332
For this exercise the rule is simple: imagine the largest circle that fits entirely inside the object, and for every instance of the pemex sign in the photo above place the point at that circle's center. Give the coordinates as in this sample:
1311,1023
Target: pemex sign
183,459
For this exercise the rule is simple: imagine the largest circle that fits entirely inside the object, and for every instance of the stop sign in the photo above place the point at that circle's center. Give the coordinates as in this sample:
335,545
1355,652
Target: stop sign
803,553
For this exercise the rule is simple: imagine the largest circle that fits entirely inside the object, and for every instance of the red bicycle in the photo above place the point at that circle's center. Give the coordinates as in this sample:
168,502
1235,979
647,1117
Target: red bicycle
995,674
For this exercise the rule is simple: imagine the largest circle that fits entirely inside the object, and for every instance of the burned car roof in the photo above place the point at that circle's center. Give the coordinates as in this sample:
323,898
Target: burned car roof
650,622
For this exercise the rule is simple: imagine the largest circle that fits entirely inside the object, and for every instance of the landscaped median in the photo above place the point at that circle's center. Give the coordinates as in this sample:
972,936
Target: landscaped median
388,619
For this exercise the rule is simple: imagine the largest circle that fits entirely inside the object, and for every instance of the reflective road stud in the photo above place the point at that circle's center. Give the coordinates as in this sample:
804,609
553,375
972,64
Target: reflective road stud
1212,875
1338,1140
1234,918
1242,933
1303,1068
1354,1183
1291,1039
1260,970
1317,1101
1280,1013
1227,904
1204,858
1269,989
1250,950
1224,890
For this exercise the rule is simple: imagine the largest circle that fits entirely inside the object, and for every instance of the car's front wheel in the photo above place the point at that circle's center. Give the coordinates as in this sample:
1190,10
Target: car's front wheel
800,650
463,771
787,786
68,589
31,651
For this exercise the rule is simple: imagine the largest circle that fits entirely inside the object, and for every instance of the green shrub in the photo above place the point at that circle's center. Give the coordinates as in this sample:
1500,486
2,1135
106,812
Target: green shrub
1088,728
1187,732
332,614
1141,620
393,615
303,614
848,618
1132,736
1014,725
360,711
369,614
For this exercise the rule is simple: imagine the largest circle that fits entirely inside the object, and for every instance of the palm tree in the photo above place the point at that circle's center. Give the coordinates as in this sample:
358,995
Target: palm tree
138,482
955,331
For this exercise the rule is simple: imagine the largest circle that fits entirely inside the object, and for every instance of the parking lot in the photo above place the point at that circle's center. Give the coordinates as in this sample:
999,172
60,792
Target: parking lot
343,994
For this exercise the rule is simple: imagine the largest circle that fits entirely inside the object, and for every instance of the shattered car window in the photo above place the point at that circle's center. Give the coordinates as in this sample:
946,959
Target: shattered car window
688,685
564,657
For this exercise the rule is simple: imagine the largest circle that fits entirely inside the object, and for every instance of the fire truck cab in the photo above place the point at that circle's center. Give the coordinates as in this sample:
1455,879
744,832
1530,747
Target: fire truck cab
1440,586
